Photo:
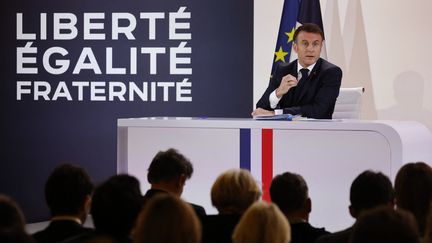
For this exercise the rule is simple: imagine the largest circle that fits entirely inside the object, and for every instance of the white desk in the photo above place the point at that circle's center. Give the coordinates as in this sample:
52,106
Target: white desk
328,154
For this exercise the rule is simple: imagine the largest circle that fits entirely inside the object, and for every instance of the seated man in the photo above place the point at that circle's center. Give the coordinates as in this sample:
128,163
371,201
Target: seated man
369,190
168,173
68,194
307,86
116,204
290,192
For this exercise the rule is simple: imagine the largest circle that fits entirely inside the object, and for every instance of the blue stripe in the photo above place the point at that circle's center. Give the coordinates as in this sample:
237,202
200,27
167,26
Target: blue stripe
245,149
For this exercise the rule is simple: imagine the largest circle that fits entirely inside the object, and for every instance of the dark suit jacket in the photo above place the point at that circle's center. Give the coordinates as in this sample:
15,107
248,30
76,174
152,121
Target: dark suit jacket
337,237
318,95
199,210
305,233
60,230
219,228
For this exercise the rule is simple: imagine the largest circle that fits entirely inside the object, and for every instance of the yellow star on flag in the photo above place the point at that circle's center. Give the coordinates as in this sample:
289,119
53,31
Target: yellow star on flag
280,55
290,35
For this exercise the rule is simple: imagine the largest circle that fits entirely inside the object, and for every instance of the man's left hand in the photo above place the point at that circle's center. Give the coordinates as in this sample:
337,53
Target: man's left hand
262,112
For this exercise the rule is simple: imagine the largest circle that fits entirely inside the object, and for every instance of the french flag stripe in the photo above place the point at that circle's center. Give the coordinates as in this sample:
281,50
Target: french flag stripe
267,162
245,149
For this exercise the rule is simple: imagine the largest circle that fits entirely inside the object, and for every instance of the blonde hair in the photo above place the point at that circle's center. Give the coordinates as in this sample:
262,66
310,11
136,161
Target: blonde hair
167,219
234,191
262,222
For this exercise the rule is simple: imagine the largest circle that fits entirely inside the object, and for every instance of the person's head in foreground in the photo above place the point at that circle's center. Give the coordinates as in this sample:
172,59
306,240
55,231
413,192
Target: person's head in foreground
167,219
234,191
262,222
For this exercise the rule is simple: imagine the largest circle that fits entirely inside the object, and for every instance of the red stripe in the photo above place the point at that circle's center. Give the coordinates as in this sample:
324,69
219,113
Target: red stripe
267,162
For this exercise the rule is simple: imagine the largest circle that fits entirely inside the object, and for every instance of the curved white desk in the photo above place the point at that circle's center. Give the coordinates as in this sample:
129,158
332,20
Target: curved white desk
328,154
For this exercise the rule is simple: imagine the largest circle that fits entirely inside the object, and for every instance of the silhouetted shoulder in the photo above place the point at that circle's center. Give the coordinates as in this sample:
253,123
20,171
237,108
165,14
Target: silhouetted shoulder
326,65
337,237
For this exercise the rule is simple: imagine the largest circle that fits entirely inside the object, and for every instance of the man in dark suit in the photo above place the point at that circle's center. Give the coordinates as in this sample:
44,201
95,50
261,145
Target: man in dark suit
307,86
68,195
116,204
289,192
168,173
369,190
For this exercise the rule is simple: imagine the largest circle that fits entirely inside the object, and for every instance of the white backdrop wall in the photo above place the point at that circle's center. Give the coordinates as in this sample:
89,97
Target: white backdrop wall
383,46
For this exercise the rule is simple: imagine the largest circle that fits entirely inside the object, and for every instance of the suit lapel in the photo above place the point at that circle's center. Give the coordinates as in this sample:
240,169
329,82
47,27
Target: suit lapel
292,70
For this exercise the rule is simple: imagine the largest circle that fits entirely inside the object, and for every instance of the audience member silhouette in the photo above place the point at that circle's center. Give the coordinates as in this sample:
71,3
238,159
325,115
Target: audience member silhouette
428,230
413,186
290,192
68,195
167,219
168,173
122,215
385,225
116,204
12,222
232,194
234,191
92,237
262,222
369,190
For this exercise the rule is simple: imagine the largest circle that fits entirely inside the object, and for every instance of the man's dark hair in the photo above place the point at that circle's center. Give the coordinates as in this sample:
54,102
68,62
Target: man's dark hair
371,189
385,225
310,28
413,186
167,165
66,189
116,204
289,191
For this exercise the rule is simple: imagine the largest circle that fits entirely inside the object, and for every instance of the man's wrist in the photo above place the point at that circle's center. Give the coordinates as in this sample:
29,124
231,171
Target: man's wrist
277,93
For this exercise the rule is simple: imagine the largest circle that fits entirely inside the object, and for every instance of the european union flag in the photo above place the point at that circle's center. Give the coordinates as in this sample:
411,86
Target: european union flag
295,13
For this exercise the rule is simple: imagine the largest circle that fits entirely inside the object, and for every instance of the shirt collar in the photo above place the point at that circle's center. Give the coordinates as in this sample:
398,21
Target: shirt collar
67,218
299,67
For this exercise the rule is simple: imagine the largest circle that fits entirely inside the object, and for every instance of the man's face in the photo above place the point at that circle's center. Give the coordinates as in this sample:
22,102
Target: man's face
308,48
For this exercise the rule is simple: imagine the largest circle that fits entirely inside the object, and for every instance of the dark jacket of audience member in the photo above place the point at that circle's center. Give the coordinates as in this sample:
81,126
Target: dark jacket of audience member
12,222
68,195
116,204
290,192
427,238
385,225
219,228
369,190
233,192
413,186
168,173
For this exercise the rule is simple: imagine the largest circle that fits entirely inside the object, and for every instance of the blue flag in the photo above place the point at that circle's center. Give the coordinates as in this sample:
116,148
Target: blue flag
294,13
